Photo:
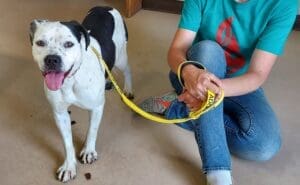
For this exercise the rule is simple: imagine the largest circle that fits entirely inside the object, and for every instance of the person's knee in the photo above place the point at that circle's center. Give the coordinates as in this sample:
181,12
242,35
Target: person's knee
268,150
267,139
261,150
210,54
208,45
204,48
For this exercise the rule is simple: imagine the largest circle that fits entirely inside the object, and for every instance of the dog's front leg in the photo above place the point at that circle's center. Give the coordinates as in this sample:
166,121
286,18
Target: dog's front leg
68,170
88,154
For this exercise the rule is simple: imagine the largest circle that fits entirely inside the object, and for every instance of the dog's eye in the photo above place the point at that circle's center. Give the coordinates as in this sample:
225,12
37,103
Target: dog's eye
40,43
68,44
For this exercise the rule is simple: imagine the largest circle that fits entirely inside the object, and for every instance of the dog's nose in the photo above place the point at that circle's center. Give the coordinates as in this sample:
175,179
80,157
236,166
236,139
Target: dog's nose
53,62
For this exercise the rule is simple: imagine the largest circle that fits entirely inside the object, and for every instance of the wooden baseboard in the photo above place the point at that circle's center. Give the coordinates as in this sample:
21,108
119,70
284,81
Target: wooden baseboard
170,6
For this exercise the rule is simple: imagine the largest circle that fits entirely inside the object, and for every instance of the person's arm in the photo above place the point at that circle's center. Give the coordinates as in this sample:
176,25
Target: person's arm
269,46
194,78
182,41
260,67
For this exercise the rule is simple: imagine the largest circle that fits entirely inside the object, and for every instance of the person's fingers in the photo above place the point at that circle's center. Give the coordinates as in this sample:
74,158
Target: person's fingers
189,106
194,109
211,82
200,93
184,97
181,97
189,99
192,102
214,88
202,96
198,88
215,80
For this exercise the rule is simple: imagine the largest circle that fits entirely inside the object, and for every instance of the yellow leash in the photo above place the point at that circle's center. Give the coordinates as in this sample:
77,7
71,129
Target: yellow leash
210,103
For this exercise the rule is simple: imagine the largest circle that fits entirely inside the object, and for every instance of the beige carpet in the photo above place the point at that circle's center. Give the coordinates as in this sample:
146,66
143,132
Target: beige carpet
133,151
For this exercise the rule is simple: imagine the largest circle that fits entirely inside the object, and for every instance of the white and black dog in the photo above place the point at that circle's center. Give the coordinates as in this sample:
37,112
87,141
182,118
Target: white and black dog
73,74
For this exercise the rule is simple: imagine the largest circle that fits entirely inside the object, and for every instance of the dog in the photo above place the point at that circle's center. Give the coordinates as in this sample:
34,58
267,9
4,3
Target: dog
73,75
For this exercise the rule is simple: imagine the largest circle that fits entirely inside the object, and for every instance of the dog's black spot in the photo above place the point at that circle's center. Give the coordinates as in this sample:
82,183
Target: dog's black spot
32,30
126,31
77,29
101,25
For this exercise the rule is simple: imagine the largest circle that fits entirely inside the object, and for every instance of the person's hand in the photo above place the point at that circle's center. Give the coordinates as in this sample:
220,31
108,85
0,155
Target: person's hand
198,81
191,102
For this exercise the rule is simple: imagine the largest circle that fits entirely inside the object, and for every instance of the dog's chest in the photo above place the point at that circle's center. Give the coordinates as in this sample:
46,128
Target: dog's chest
86,92
68,95
83,92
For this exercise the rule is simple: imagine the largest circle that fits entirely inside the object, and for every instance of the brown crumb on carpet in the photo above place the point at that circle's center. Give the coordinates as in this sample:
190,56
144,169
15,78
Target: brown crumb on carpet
88,176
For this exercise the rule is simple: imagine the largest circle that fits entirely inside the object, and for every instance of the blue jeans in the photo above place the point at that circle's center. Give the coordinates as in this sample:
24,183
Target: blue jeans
245,126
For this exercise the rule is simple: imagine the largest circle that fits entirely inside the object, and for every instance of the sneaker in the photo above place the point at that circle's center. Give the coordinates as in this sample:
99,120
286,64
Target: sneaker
158,104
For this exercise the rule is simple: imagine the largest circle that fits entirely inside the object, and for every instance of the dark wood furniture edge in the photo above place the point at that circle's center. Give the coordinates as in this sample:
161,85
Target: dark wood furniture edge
132,7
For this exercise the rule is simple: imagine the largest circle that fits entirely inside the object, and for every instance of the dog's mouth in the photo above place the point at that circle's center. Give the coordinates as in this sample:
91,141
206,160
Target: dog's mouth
55,79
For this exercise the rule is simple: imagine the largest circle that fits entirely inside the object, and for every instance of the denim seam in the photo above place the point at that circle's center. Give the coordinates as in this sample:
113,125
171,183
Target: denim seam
250,114
197,139
206,170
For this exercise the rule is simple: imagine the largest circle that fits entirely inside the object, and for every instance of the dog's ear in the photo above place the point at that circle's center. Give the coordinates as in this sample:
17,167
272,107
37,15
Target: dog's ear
77,29
32,28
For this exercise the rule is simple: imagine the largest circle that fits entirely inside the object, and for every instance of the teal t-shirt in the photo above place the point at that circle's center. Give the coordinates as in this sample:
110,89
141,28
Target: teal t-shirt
240,27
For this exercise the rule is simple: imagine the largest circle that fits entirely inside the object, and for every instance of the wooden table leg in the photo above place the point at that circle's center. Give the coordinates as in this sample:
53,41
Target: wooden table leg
132,6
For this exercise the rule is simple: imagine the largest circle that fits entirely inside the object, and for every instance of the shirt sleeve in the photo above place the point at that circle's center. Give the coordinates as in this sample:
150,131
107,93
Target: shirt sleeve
275,35
191,15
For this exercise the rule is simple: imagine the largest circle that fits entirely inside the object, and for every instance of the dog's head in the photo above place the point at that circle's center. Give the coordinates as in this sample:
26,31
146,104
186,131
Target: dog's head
57,48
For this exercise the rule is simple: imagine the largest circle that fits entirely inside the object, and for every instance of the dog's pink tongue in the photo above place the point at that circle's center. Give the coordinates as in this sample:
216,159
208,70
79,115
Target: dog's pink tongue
54,80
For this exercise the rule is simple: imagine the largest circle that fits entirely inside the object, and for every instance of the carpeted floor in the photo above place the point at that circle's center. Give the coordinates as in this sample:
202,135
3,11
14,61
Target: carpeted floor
133,151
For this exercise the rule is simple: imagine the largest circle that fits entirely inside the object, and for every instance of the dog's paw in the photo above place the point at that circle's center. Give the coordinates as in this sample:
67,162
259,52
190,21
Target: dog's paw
129,95
108,85
88,156
66,172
